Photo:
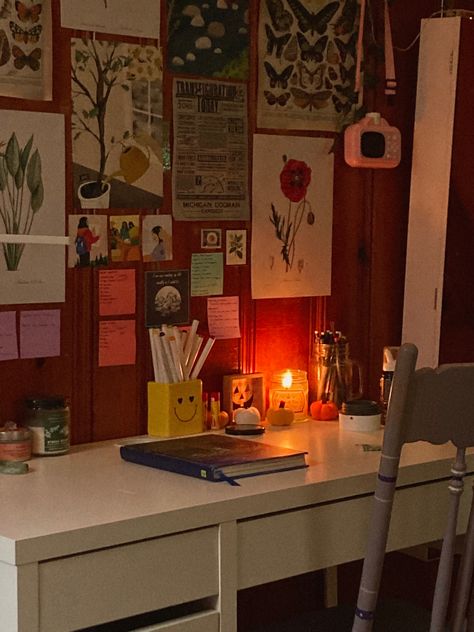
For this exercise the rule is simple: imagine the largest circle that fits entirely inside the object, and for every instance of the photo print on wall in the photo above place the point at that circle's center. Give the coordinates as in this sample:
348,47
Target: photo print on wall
117,164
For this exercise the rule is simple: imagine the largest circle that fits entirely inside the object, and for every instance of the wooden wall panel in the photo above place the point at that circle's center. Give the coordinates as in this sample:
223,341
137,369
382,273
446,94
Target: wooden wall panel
369,234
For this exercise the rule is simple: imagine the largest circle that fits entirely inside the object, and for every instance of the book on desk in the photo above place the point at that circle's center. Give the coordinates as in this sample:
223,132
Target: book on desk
214,457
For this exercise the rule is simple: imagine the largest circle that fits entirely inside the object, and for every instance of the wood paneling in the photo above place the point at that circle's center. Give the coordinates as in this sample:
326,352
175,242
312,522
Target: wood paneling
370,217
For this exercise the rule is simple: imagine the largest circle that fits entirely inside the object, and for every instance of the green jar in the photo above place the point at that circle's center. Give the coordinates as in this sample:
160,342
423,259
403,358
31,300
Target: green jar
49,420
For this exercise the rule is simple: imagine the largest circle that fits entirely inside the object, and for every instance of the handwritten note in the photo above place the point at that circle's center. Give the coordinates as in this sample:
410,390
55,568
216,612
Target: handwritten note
40,333
207,274
8,338
117,293
117,342
223,317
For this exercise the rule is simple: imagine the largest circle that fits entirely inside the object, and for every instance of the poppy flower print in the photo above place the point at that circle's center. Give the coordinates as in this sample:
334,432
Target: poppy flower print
295,178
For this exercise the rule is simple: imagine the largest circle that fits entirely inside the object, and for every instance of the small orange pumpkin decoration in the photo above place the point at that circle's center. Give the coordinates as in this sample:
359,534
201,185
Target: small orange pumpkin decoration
324,410
280,416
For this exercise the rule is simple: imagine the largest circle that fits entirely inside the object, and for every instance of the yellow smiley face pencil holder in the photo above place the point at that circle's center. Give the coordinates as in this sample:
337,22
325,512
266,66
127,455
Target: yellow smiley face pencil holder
175,409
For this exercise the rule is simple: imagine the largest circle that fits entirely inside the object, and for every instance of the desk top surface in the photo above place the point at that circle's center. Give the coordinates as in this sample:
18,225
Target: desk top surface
91,497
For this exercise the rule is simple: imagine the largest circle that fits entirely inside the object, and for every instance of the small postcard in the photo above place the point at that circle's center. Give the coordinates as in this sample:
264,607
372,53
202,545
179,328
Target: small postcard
157,244
89,244
167,298
211,238
125,238
236,247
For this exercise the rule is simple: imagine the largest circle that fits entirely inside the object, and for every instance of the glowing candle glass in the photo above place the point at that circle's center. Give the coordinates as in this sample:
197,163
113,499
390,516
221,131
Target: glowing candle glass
290,386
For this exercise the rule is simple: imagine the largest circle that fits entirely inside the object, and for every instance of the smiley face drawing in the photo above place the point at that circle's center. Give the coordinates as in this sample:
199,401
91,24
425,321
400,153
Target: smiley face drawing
174,409
186,408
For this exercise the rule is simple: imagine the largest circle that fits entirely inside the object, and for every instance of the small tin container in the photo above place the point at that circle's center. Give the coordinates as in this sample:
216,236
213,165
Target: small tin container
360,415
48,418
15,442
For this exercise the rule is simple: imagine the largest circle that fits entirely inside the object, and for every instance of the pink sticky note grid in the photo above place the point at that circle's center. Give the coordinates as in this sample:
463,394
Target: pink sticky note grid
40,333
117,342
8,337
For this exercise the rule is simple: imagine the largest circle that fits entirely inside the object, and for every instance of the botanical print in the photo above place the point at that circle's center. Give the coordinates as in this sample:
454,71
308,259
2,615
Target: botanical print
88,239
31,203
116,124
25,49
307,62
209,39
292,216
125,237
21,183
113,16
236,247
295,178
157,238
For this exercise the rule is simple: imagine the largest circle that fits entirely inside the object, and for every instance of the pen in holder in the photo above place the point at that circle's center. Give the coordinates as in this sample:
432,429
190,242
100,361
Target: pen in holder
175,409
175,397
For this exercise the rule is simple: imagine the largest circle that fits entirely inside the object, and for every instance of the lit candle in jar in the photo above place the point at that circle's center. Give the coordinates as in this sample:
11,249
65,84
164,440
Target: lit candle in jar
290,386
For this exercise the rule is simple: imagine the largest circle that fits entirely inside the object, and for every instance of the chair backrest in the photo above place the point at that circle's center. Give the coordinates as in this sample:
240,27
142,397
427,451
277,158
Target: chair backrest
425,405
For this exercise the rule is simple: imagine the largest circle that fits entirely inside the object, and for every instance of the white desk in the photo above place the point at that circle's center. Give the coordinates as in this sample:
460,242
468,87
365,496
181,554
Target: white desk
87,538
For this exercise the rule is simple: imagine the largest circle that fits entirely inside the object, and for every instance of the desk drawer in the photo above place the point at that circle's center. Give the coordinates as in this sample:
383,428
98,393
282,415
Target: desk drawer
322,536
111,584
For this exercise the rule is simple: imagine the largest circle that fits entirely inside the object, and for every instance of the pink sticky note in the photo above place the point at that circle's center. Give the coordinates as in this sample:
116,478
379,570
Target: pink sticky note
8,339
223,317
117,292
40,331
117,342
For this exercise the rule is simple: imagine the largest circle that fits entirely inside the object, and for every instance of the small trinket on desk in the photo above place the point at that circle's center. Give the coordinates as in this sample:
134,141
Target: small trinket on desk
280,416
246,421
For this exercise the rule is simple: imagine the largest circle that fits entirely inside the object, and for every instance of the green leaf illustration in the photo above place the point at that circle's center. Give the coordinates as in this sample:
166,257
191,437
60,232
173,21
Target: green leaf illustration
25,153
33,172
19,177
3,173
12,155
37,198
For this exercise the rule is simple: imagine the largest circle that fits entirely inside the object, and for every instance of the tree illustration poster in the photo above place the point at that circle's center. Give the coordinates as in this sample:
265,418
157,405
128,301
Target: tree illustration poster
292,216
32,203
117,124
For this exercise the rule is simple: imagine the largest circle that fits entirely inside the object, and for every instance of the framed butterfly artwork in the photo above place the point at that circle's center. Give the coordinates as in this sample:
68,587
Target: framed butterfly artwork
306,64
25,49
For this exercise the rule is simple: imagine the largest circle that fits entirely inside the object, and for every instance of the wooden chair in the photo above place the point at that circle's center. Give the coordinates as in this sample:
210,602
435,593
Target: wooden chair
431,405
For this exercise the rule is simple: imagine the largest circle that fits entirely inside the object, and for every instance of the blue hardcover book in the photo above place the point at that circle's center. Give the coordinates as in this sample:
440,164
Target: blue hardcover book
214,457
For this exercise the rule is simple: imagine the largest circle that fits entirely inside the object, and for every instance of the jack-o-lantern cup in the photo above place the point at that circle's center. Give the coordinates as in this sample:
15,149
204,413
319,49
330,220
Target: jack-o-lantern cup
291,387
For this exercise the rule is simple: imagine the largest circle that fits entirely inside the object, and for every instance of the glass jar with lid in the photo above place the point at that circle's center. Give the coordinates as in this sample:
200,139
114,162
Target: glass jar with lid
48,417
15,442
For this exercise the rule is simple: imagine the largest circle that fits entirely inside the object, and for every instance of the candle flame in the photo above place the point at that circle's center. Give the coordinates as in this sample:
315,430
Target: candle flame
287,379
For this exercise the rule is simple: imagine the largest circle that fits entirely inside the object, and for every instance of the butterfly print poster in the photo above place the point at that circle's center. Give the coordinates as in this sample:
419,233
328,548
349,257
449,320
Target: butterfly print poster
140,18
32,161
292,216
306,67
25,49
117,124
210,39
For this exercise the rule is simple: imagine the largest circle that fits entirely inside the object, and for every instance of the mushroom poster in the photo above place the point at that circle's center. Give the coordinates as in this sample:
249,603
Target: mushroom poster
210,39
292,216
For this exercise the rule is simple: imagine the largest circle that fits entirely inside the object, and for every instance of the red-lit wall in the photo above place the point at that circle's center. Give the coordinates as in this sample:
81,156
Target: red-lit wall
369,235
